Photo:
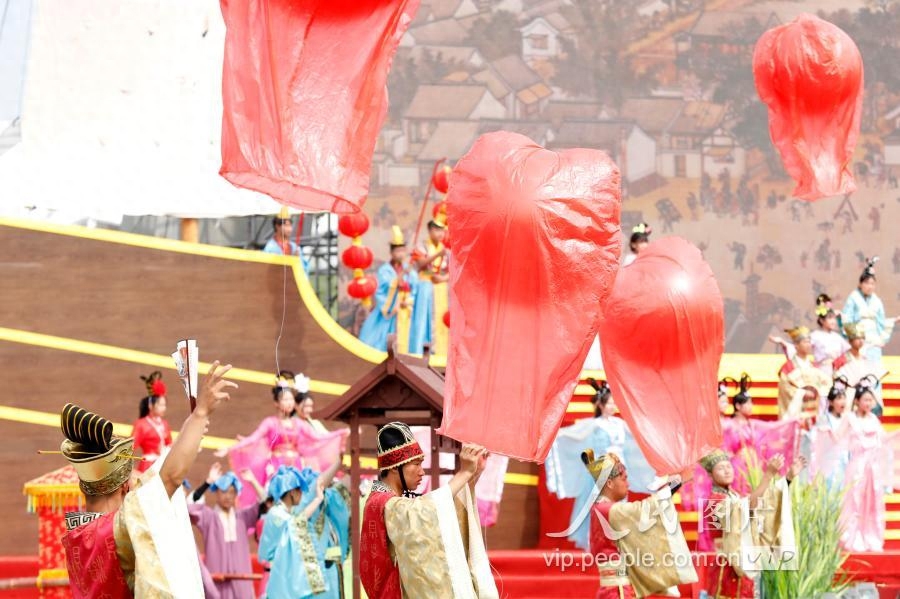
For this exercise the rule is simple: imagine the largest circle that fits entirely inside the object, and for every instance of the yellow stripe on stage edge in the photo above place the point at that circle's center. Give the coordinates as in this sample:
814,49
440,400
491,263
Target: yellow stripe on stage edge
112,352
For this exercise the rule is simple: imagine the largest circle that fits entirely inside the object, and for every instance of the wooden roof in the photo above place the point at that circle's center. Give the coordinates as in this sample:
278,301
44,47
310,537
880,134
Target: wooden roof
426,384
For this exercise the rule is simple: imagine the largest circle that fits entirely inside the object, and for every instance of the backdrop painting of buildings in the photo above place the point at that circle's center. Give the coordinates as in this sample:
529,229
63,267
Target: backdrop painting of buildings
666,89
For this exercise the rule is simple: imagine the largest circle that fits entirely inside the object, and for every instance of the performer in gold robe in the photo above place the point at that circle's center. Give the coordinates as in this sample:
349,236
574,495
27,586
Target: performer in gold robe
802,388
429,546
638,545
740,526
134,542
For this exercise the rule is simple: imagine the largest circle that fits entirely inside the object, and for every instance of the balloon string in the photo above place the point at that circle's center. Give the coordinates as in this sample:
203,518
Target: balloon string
283,313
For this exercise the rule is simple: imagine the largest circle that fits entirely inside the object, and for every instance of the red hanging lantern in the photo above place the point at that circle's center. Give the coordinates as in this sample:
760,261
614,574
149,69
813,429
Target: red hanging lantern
362,288
441,179
354,225
446,319
357,256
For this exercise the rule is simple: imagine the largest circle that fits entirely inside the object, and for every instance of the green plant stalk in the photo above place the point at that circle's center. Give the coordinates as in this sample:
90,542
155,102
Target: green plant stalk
816,512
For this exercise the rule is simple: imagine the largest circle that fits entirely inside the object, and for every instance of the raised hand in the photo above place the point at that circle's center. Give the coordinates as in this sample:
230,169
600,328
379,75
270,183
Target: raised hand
470,456
775,464
214,389
215,471
797,465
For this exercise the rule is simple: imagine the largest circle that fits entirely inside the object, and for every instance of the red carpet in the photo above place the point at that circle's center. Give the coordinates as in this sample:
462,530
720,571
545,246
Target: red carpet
537,574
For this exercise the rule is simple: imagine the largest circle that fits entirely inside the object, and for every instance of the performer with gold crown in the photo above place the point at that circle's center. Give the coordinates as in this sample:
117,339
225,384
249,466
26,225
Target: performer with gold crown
432,260
281,243
134,543
394,299
801,386
427,546
736,526
646,533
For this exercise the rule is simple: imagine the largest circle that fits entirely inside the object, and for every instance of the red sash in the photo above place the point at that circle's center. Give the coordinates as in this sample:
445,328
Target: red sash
91,560
379,574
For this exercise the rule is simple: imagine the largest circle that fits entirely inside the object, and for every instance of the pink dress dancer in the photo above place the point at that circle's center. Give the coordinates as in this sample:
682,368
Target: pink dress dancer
281,441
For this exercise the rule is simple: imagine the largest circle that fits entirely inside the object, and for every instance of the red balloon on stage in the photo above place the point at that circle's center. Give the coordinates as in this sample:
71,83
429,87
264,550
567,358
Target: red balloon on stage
535,251
302,103
810,75
663,337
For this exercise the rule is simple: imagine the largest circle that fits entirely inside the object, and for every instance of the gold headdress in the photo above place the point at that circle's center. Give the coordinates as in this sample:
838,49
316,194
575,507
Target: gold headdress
709,461
103,461
853,331
798,334
605,467
397,239
440,216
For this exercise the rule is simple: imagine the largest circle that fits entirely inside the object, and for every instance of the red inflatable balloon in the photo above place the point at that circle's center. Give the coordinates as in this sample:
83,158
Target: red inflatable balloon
303,87
810,75
535,250
663,336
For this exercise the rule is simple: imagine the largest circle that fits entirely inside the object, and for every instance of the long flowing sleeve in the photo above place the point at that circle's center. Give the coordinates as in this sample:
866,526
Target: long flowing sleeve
850,313
338,513
653,529
155,543
261,431
273,530
884,327
429,547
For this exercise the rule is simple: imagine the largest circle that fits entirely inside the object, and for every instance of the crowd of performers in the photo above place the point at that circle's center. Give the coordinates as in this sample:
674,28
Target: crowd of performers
284,488
411,300
829,406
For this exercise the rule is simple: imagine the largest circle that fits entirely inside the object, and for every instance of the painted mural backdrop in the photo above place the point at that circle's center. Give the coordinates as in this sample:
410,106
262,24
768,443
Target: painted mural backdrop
666,88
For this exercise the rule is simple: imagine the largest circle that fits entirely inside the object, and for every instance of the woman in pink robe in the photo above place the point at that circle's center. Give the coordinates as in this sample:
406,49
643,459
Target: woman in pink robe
283,440
868,475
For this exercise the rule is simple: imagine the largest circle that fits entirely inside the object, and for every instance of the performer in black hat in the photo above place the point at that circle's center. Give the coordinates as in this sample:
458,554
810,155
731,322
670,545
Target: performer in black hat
134,543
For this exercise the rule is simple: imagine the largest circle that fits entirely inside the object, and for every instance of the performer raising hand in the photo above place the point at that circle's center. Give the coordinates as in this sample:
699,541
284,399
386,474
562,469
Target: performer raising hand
406,537
103,543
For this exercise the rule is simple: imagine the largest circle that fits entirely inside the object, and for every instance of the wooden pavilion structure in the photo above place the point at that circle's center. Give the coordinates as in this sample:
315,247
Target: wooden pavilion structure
402,388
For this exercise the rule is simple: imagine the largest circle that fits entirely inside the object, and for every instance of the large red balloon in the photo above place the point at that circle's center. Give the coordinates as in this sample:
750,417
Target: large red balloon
810,75
535,250
304,95
663,336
